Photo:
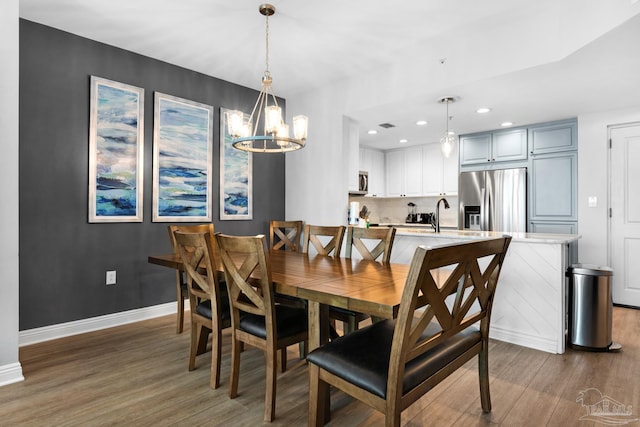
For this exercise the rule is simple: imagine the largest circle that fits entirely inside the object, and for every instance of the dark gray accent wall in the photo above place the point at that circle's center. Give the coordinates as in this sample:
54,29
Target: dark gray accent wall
63,258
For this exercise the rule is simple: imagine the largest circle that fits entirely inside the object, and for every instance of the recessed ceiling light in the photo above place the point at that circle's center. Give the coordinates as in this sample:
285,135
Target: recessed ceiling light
372,132
404,141
421,122
506,124
483,110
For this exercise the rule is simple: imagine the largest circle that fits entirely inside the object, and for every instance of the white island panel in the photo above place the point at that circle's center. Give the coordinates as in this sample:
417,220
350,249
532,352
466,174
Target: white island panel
530,303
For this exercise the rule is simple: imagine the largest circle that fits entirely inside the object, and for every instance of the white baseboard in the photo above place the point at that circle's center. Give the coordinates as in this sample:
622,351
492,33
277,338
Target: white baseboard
10,374
52,332
535,342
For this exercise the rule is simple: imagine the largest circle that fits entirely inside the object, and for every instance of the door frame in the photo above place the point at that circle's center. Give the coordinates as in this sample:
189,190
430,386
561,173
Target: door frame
610,129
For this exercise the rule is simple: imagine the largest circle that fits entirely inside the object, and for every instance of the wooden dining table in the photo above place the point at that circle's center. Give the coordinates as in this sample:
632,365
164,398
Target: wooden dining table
359,285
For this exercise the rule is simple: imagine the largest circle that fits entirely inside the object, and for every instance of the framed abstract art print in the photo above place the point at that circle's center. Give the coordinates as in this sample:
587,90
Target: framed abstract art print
182,160
236,177
116,151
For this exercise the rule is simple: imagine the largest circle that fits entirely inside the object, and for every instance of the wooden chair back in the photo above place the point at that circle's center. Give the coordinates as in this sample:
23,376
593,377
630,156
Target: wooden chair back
196,250
312,234
285,235
357,237
181,284
248,275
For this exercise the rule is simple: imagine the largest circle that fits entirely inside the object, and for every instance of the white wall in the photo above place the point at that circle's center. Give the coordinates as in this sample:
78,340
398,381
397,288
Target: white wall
316,176
10,369
593,180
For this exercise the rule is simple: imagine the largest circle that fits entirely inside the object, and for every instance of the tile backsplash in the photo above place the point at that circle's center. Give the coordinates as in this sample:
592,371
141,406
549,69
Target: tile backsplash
395,209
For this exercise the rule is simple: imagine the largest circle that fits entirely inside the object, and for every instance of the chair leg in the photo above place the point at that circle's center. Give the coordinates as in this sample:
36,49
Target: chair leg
180,315
392,420
193,349
302,348
216,352
350,325
203,338
283,359
180,300
271,356
483,372
236,347
318,390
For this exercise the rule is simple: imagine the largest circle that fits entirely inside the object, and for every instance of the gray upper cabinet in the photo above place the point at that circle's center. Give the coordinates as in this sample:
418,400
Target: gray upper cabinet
553,137
509,145
500,146
475,149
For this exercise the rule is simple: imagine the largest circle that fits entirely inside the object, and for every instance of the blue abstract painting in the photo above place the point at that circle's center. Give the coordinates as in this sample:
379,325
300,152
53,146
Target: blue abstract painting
116,147
236,172
182,154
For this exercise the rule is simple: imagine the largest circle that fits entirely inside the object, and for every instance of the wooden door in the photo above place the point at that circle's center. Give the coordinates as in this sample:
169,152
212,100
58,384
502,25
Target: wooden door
624,237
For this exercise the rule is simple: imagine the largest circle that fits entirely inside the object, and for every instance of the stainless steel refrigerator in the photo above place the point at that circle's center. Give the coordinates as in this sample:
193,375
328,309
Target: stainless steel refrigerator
493,200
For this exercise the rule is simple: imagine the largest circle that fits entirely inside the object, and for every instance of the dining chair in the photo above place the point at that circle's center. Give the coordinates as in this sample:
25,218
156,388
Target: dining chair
391,364
208,297
285,235
255,317
181,283
332,236
362,239
371,244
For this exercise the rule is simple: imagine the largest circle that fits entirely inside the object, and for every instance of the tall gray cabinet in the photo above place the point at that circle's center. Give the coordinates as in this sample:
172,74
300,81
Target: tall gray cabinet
553,178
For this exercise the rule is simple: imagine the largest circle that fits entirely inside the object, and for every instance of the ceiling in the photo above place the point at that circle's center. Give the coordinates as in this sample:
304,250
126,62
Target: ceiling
528,61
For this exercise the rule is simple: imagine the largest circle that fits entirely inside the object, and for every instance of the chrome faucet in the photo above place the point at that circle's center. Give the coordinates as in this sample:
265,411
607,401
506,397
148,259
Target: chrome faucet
446,206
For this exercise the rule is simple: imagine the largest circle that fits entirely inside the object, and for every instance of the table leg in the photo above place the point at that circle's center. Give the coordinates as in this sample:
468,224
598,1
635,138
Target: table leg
318,325
319,335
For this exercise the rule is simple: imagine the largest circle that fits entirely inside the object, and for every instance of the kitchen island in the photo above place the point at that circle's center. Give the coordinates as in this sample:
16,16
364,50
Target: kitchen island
530,303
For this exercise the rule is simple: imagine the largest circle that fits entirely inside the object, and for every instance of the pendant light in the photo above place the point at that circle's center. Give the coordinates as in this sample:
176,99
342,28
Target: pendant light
447,140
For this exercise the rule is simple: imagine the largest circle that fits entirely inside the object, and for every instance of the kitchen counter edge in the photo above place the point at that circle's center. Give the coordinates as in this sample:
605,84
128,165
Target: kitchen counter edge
476,235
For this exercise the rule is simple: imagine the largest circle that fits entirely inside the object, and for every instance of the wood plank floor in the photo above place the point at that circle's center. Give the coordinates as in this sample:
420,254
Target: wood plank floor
137,375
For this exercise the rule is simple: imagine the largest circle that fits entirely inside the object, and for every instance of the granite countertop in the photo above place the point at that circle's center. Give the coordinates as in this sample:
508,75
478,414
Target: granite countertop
474,234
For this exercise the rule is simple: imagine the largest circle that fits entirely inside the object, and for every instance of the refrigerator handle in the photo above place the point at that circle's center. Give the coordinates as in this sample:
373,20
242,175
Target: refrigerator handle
483,210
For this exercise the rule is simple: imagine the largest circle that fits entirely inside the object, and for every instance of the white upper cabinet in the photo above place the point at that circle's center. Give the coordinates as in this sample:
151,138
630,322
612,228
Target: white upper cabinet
439,174
372,162
404,172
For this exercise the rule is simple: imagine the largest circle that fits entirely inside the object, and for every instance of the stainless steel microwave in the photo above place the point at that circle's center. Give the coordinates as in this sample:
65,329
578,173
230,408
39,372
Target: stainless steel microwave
363,182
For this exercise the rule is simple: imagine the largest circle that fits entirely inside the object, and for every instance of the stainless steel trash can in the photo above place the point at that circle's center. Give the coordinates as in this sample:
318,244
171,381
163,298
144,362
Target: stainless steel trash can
590,307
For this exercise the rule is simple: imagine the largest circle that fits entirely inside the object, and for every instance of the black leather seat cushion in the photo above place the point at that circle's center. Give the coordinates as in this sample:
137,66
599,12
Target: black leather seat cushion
204,308
362,357
289,321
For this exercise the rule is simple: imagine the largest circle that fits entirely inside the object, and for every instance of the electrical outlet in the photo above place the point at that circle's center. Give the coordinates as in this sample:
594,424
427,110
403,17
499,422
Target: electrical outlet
111,277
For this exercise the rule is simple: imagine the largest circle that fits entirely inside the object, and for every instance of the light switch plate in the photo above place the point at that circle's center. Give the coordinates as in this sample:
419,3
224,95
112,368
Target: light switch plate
593,202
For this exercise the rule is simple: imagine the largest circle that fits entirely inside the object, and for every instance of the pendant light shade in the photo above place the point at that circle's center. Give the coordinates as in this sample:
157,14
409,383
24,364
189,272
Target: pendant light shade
448,139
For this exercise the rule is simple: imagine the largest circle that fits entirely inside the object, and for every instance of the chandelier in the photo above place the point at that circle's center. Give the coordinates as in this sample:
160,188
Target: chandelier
276,138
447,140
